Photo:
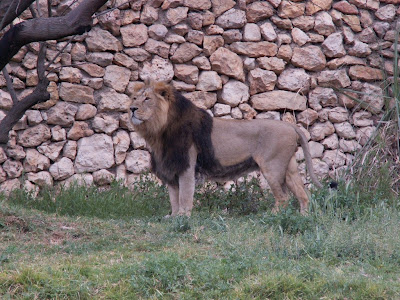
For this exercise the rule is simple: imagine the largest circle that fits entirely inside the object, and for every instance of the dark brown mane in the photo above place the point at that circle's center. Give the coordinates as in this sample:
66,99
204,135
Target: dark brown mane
187,125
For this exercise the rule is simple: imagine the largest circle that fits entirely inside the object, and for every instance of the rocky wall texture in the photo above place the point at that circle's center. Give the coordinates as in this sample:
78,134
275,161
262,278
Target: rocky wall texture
273,59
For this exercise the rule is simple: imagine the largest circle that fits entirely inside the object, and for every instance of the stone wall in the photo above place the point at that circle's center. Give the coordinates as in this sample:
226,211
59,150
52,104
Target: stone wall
242,59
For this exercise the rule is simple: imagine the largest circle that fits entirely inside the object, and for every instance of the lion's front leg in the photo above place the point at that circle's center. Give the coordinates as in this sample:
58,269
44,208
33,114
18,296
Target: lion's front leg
187,185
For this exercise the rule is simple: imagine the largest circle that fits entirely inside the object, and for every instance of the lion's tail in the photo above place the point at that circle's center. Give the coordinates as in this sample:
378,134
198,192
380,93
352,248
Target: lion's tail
307,156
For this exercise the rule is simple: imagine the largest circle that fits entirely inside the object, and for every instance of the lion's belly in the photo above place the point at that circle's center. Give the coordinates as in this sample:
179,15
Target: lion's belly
229,172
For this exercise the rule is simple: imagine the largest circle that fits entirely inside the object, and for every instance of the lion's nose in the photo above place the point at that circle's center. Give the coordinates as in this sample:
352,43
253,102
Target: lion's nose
133,109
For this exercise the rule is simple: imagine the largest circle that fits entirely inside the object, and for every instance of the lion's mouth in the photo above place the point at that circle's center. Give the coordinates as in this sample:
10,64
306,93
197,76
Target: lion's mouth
135,119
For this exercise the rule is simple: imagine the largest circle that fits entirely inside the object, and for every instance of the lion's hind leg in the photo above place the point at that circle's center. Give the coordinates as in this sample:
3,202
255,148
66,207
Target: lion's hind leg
296,186
274,172
173,192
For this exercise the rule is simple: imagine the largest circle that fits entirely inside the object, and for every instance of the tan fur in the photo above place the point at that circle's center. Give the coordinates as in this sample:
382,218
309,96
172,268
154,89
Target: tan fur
268,144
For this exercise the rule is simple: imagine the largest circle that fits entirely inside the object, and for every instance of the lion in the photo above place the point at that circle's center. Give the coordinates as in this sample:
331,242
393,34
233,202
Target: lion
185,141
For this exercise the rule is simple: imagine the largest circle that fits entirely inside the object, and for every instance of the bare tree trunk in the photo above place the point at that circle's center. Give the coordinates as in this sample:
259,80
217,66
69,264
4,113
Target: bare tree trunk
77,21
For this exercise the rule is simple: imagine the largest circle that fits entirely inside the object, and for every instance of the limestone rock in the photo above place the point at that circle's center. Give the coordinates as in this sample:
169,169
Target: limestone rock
92,69
346,8
258,11
69,149
338,115
85,112
187,73
310,58
209,81
34,161
117,77
185,52
331,142
276,100
220,110
62,169
349,146
34,136
345,130
99,144
232,19
295,80
79,130
334,158
365,73
121,141
157,47
134,35
138,161
99,40
76,93
157,31
159,69
300,37
360,49
34,117
274,64
103,177
51,150
254,49
307,117
221,6
70,74
291,10
3,156
251,33
78,180
335,78
10,185
386,13
261,81
137,141
268,32
228,63
63,113
105,123
322,97
212,43
174,16
372,98
202,99
324,24
319,131
353,22
362,118
5,100
315,6
333,45
234,92
364,134
110,101
16,152
13,168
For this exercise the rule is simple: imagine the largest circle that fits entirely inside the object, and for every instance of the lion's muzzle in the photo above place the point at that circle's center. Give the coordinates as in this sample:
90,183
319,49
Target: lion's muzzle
135,120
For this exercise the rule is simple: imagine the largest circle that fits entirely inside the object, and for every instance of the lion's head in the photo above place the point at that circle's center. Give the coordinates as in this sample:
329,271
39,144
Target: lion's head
150,105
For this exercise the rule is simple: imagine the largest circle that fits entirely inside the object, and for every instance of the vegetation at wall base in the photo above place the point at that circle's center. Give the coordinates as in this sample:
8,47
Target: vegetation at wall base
88,243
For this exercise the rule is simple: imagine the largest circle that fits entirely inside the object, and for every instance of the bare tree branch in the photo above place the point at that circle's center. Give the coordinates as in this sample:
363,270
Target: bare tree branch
10,86
77,21
10,9
40,94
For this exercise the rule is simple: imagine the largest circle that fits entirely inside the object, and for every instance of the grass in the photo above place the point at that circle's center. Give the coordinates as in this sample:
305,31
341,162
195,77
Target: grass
83,243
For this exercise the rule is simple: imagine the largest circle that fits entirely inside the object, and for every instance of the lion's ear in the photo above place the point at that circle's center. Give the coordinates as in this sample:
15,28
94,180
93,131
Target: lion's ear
164,90
137,86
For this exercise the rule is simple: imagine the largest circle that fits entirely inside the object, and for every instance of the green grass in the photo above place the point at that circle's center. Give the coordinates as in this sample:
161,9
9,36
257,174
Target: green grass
83,243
